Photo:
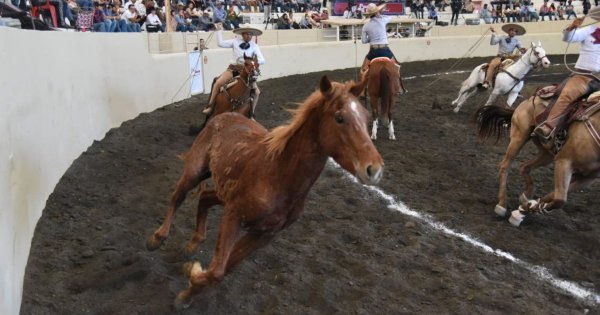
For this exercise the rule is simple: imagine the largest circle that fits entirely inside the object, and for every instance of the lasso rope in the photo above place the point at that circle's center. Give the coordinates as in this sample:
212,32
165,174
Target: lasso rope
463,57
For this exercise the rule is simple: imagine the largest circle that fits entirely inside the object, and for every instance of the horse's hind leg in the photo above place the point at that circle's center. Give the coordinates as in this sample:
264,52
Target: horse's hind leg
188,181
228,235
463,97
208,198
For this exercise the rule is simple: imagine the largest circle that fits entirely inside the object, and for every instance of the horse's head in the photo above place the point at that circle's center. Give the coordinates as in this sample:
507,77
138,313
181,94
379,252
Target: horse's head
343,131
537,56
251,67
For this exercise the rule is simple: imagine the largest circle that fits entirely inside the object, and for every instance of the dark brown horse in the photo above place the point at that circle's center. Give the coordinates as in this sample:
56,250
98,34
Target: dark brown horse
384,84
262,178
576,165
240,95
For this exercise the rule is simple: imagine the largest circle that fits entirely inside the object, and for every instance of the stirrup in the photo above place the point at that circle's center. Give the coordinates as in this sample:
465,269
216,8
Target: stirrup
540,133
207,110
485,85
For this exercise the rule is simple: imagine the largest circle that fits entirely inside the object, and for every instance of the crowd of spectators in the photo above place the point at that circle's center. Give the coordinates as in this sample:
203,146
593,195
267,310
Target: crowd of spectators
527,11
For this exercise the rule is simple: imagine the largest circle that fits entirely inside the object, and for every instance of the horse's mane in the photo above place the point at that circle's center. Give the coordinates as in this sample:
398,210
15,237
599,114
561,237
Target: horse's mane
277,139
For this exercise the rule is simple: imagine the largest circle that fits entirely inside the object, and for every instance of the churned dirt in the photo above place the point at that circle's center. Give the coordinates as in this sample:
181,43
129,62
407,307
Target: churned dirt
350,253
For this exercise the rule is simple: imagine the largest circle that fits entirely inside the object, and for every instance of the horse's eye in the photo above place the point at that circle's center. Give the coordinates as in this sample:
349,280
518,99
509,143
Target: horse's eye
339,119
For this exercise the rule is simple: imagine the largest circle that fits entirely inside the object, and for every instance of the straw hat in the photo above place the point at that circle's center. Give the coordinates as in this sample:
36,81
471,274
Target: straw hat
372,8
247,28
520,29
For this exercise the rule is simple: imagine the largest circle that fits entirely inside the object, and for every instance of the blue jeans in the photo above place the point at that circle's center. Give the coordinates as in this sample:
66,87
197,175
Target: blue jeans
134,27
99,27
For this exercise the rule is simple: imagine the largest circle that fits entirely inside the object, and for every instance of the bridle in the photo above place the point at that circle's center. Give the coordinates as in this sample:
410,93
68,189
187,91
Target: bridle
252,73
540,58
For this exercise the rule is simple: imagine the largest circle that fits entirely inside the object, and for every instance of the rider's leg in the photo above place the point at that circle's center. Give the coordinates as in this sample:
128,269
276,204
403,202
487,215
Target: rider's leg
365,66
223,78
576,87
489,75
402,89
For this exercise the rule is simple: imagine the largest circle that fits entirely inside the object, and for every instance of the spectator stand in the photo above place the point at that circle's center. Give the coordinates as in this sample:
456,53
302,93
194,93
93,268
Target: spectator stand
348,29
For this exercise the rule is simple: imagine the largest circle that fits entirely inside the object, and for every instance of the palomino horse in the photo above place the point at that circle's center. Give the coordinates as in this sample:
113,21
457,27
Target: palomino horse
239,95
508,81
576,165
262,178
384,84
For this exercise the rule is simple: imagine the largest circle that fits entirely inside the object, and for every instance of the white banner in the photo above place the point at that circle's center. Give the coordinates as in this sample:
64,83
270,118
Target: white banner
196,81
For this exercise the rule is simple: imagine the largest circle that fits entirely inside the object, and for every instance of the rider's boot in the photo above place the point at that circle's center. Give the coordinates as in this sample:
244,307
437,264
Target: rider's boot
207,109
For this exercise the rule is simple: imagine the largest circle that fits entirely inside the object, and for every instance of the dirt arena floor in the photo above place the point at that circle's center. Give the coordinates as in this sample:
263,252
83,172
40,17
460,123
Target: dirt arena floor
349,253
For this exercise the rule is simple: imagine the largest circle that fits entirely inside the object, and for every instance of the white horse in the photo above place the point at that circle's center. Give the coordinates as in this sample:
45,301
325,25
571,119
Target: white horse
508,81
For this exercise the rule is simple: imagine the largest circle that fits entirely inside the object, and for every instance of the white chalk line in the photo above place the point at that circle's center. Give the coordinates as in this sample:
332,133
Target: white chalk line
542,273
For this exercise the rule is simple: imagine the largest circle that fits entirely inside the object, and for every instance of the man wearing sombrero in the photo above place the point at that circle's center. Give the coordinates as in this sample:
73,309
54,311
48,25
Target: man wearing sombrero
241,47
506,47
374,33
584,80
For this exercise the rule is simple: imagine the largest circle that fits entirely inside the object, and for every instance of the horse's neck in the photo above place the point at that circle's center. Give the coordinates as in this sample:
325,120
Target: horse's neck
302,157
522,67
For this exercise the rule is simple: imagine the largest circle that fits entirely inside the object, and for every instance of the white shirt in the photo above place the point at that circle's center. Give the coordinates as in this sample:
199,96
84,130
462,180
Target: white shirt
238,53
374,31
127,15
504,47
153,19
589,55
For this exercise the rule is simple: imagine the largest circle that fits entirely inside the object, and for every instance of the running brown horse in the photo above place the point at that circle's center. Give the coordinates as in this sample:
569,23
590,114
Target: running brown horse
240,95
383,85
262,178
576,165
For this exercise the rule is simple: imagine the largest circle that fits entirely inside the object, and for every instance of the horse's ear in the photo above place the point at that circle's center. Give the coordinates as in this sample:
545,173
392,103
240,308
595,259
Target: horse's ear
325,85
539,43
532,44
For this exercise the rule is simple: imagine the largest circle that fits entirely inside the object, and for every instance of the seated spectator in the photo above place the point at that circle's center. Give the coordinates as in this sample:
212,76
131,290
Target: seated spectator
99,21
220,15
552,12
485,14
324,15
153,23
233,17
140,8
205,22
545,11
295,25
570,10
560,10
315,5
469,8
193,13
307,22
524,14
433,14
283,22
114,14
347,13
130,16
533,15
184,24
509,14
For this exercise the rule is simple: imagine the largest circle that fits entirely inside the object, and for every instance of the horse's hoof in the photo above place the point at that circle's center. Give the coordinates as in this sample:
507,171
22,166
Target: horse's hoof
455,110
154,242
500,210
516,218
392,137
182,301
192,268
523,200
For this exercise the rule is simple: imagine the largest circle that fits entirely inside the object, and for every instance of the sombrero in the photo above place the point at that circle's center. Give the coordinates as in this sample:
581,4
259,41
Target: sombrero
247,28
594,13
372,8
520,29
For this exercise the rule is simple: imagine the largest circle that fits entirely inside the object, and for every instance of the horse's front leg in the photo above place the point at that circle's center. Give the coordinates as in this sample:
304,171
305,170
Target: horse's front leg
493,97
208,198
543,158
391,132
199,279
375,112
254,94
512,96
563,173
517,140
374,129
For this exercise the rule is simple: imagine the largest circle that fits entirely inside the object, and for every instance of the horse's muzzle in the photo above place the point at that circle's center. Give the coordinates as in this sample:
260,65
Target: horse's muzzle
371,175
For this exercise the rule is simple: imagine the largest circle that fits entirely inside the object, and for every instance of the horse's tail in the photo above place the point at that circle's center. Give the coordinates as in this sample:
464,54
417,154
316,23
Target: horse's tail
493,121
386,94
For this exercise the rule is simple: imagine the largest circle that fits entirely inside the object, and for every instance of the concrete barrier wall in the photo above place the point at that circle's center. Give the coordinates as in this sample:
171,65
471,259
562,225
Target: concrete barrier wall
61,91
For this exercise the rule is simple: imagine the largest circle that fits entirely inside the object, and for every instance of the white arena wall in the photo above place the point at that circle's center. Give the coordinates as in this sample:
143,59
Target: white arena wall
63,90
